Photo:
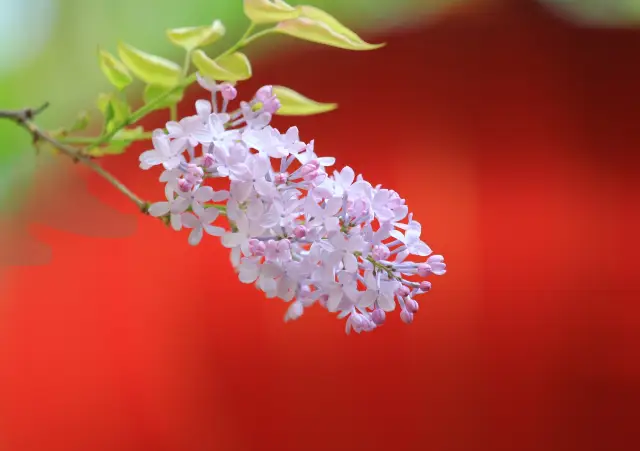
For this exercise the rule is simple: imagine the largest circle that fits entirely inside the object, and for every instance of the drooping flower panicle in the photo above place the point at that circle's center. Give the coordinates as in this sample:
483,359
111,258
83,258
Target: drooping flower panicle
296,231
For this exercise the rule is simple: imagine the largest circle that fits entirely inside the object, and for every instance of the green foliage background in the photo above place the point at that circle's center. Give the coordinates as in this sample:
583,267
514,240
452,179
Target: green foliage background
50,50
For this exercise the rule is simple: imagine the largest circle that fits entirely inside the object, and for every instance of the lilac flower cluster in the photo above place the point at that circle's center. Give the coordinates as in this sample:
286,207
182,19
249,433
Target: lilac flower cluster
296,231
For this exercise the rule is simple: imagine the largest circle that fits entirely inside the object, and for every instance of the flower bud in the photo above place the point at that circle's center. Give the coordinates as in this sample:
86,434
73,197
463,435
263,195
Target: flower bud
368,325
256,247
406,316
424,269
309,177
195,170
264,94
425,285
306,169
378,316
271,106
184,185
208,160
227,91
438,266
280,178
411,305
380,252
403,291
271,250
357,320
284,245
300,232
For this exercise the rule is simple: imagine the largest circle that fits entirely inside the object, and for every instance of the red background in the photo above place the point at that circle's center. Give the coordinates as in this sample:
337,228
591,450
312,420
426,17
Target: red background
514,138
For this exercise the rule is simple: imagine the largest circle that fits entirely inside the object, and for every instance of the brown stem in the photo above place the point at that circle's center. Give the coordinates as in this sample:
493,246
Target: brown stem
24,118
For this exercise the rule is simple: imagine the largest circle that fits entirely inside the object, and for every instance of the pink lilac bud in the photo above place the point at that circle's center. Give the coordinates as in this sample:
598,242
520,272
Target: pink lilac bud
411,305
314,164
368,325
378,316
380,252
424,269
438,266
425,285
256,247
227,91
184,185
195,170
406,316
403,291
281,178
307,169
357,320
284,245
311,176
208,160
300,232
272,105
358,208
265,93
271,250
395,201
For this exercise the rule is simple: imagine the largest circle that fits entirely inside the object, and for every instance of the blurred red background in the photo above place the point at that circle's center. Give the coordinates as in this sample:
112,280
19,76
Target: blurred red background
514,138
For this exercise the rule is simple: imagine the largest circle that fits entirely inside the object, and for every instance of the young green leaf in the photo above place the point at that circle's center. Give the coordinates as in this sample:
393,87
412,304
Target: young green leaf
152,92
130,134
119,143
81,123
190,38
234,67
149,68
269,11
113,148
295,104
114,70
317,26
114,110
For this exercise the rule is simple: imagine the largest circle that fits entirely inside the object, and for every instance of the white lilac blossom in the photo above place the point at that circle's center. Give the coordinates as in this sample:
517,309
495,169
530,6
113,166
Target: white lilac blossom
295,230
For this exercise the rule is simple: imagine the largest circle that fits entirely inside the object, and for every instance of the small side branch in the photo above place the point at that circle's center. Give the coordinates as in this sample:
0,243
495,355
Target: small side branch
25,117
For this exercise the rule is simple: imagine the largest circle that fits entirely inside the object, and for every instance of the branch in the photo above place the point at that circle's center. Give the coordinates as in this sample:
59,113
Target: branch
25,117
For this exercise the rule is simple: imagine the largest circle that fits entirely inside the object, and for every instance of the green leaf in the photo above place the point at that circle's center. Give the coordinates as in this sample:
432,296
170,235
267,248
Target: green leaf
130,134
116,72
115,111
113,148
234,67
190,38
295,104
317,26
119,143
81,123
269,11
149,68
152,92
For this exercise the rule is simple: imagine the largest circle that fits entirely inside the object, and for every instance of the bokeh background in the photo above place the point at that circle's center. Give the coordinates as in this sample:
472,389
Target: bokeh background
511,128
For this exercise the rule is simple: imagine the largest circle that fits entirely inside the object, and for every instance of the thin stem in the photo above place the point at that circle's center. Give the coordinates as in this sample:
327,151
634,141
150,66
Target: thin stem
173,112
258,35
91,139
187,63
188,80
24,119
244,40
